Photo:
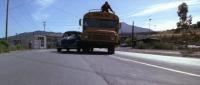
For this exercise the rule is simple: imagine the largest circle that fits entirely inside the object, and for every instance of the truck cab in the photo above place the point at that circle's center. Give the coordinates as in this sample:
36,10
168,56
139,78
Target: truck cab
100,30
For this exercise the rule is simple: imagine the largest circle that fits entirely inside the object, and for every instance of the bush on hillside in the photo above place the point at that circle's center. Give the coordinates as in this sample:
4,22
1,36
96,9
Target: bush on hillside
4,46
157,45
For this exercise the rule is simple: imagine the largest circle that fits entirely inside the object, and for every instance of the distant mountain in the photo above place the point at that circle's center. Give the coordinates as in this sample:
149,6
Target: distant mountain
126,28
28,36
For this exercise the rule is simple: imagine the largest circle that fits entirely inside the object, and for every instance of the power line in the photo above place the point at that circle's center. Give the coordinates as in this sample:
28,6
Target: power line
22,4
64,11
17,22
63,25
30,21
25,15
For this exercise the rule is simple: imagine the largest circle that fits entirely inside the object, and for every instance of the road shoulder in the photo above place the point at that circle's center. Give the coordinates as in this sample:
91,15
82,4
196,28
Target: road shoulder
160,52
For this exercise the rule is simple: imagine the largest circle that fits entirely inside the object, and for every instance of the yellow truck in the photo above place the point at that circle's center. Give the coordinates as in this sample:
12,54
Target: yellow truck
100,30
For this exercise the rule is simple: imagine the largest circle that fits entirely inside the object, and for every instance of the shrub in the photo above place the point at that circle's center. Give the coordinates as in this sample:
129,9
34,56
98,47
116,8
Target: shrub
21,47
18,47
4,46
143,46
4,43
198,24
128,41
157,45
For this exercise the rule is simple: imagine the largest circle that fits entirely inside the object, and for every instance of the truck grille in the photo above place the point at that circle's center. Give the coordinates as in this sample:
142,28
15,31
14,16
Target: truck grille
102,37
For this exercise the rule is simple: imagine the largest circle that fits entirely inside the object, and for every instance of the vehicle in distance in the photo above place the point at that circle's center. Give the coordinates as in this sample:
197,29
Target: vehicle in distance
70,40
100,30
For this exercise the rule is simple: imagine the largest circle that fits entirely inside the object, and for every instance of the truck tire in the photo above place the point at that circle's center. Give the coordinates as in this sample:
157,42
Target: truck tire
78,50
85,50
59,49
68,49
111,50
91,49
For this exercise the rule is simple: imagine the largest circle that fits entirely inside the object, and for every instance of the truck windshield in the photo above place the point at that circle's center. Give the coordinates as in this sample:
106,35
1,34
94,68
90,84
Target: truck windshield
100,23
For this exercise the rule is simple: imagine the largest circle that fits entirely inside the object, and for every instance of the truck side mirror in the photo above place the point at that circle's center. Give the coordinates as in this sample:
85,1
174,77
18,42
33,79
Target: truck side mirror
80,20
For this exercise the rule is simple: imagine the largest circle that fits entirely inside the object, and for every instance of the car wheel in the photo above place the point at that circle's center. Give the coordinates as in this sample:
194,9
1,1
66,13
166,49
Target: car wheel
68,49
59,49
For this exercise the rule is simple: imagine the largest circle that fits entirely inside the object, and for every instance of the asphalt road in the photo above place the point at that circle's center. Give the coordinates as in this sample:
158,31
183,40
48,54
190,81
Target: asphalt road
47,67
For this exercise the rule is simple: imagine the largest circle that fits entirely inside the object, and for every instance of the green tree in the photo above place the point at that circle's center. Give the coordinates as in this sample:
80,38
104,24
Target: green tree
194,26
182,12
198,24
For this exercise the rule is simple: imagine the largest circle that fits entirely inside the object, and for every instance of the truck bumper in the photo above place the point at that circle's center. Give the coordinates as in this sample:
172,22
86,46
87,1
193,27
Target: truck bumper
97,44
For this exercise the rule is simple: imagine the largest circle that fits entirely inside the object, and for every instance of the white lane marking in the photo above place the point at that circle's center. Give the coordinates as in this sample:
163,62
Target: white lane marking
156,66
168,59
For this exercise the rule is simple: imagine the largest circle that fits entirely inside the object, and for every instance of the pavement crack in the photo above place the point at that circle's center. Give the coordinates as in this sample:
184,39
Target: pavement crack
100,74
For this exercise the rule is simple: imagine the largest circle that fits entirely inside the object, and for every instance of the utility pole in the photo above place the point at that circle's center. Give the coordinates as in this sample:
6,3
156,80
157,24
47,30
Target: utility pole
7,12
150,25
155,27
44,25
133,35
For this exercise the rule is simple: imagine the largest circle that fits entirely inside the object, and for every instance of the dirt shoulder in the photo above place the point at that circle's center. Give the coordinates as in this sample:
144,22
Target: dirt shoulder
178,53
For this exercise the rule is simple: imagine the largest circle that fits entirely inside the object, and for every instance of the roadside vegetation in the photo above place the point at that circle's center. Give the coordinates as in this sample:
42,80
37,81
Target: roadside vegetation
185,38
157,45
151,45
6,47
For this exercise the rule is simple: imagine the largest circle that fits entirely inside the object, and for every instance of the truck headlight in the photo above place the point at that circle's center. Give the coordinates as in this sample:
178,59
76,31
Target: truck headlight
86,37
112,38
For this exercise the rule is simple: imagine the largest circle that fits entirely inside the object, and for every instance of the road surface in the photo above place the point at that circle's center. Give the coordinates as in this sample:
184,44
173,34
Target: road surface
47,67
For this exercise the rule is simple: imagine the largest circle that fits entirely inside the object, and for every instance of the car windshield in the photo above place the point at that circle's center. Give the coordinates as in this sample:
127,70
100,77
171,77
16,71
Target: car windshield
70,34
100,23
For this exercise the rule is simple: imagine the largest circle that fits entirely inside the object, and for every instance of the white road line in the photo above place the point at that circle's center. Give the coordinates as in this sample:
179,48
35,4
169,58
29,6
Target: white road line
156,66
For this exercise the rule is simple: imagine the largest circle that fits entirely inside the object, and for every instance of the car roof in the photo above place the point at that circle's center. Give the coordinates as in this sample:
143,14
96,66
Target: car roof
72,32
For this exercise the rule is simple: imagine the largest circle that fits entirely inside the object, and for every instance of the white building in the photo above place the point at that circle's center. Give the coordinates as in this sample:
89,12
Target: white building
39,42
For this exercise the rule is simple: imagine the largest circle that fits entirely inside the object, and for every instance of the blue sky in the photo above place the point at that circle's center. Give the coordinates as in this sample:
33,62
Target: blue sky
63,15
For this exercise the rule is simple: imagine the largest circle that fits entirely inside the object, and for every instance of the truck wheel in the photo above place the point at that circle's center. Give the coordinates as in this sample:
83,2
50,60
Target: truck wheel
67,49
87,50
84,50
59,49
111,50
91,49
78,50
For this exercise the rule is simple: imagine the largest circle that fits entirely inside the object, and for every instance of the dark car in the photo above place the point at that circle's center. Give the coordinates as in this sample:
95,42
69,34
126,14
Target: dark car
70,40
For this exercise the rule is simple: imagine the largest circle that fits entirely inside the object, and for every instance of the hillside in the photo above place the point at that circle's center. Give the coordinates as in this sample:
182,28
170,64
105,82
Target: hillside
126,28
28,35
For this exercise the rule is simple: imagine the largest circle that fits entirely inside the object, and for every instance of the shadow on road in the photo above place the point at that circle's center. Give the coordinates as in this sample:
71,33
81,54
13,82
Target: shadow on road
82,53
